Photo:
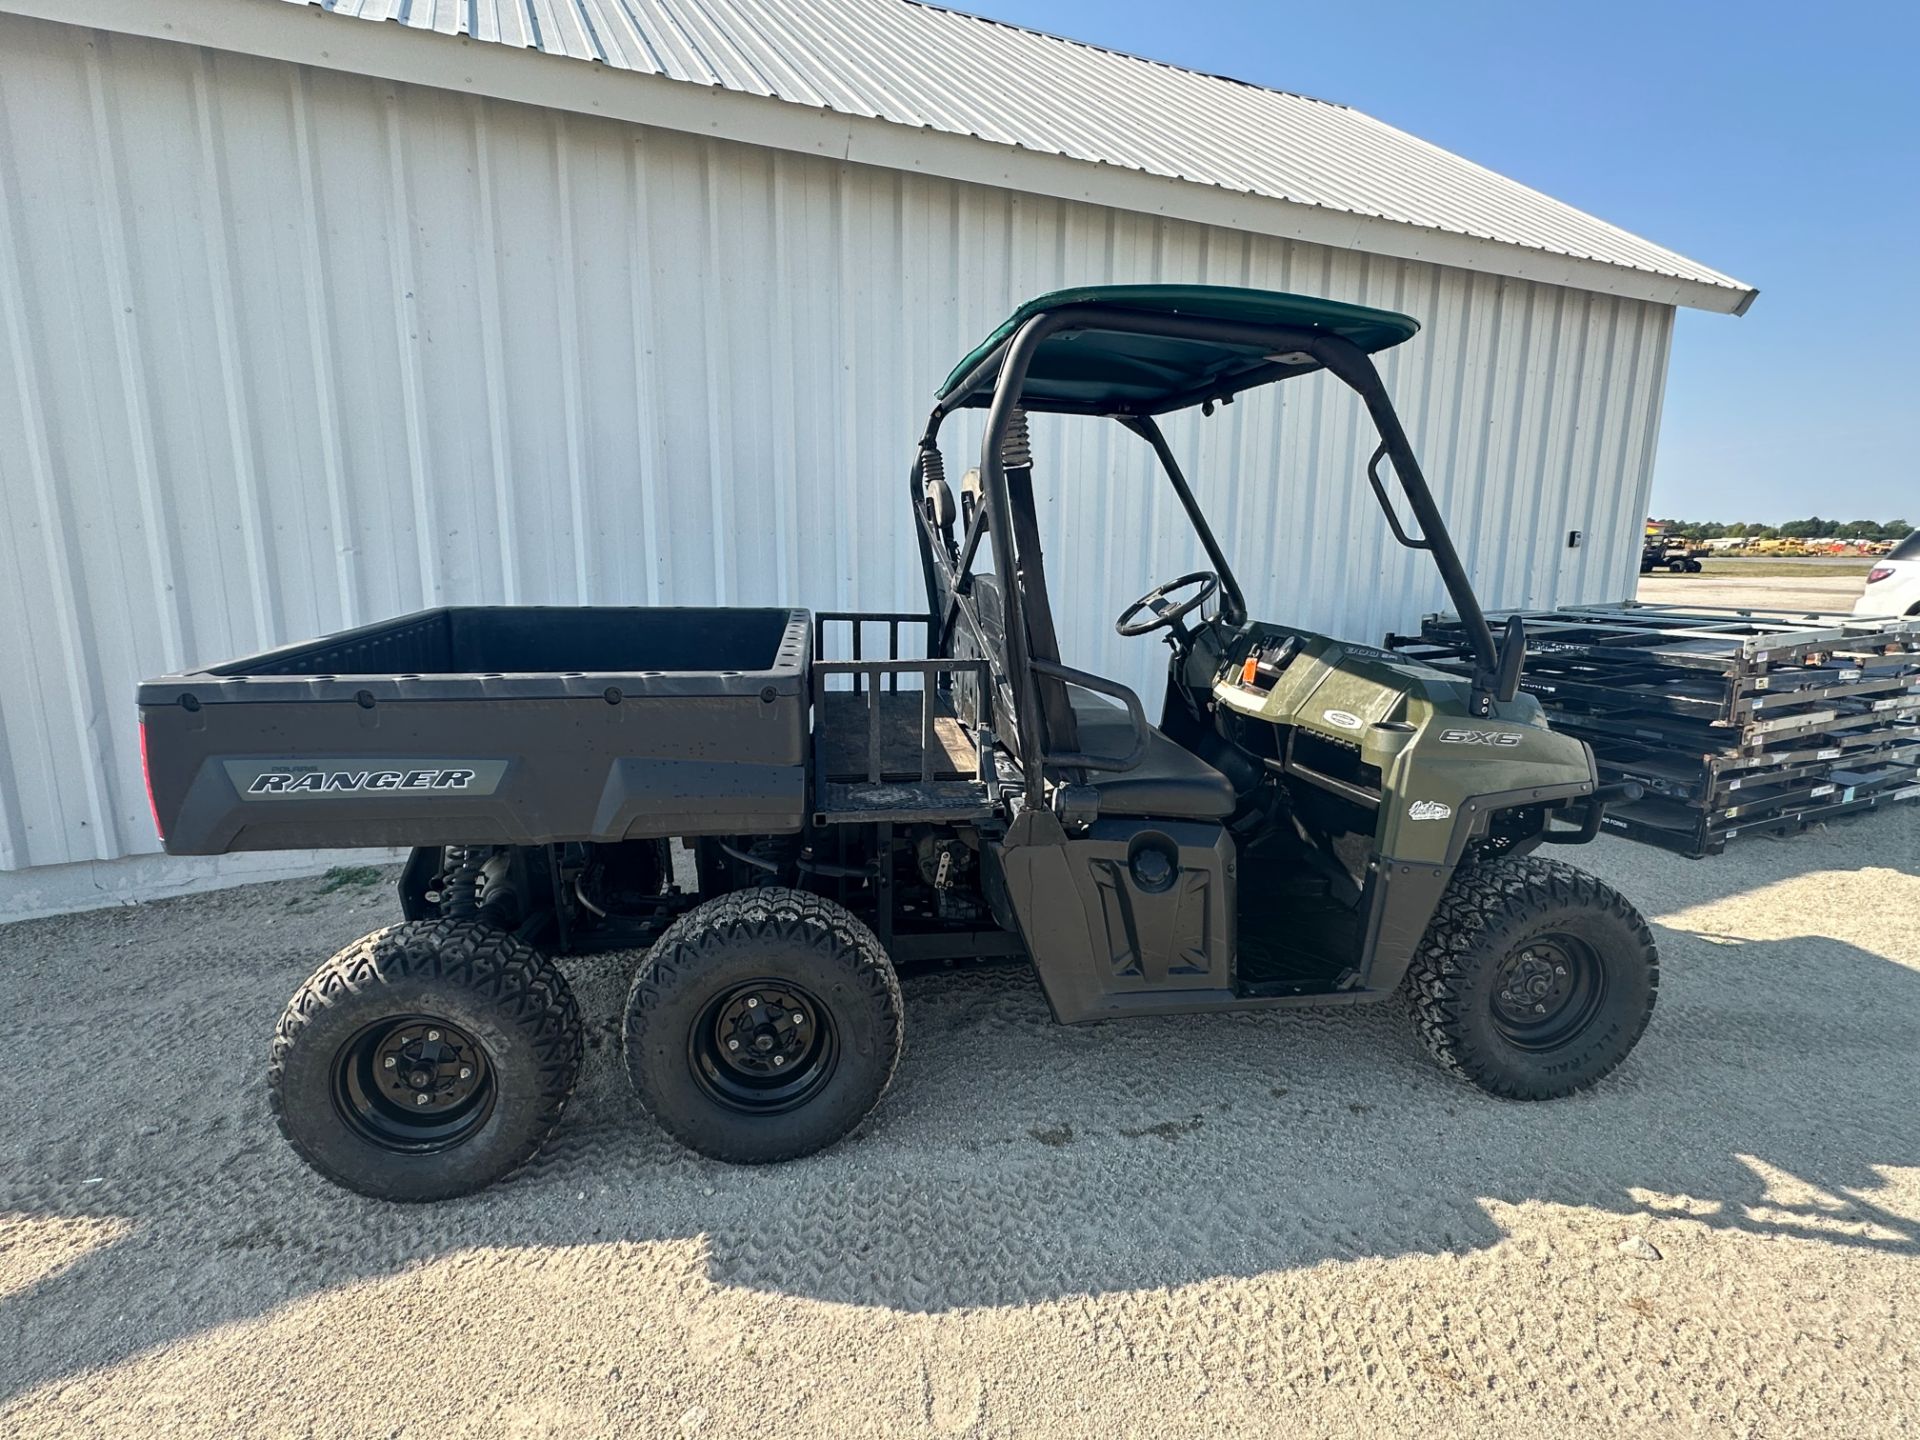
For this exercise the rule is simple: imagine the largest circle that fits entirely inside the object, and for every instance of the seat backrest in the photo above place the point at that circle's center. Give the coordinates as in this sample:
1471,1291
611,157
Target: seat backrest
1043,643
987,592
990,606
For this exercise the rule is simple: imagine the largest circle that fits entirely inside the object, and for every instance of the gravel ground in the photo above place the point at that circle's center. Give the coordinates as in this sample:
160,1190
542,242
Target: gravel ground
1809,591
1234,1224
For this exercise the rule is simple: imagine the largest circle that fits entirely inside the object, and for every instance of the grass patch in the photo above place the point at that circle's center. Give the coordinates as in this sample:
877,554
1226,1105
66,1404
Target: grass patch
1761,568
340,877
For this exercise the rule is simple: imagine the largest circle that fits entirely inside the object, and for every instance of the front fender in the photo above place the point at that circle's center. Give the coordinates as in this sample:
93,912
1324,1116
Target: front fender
1403,891
1440,793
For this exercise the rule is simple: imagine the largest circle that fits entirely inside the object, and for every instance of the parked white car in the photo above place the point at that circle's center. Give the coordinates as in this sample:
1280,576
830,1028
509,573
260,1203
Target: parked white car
1893,585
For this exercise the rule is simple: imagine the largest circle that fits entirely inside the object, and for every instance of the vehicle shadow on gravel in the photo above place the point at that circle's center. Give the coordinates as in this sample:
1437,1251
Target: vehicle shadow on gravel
1770,1098
1013,1162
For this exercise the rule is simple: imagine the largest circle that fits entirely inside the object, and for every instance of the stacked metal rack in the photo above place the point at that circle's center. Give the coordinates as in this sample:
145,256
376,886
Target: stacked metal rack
1734,722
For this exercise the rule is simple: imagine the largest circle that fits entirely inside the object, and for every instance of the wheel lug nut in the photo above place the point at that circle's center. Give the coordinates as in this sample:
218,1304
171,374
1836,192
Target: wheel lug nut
798,1018
421,1098
779,1059
466,1072
1539,1009
733,1044
433,1034
1560,970
753,1002
390,1062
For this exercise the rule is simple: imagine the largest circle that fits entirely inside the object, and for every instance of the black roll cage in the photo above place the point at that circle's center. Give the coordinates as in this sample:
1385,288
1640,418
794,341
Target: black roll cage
947,567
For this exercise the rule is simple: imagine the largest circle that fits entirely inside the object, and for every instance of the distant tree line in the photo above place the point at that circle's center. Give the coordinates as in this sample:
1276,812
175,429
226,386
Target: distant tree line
1812,528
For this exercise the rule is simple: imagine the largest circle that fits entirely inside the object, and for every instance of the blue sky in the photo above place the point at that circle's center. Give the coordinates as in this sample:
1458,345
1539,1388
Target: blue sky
1779,143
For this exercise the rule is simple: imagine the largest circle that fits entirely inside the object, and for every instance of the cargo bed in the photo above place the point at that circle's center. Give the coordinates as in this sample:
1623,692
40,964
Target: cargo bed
489,725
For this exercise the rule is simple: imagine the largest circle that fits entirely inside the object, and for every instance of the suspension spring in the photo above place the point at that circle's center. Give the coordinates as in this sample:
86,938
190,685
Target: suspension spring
460,889
933,467
1016,447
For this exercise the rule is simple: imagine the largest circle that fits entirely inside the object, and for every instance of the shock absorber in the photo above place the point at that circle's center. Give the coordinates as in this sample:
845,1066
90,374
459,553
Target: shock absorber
460,885
1016,446
936,496
501,904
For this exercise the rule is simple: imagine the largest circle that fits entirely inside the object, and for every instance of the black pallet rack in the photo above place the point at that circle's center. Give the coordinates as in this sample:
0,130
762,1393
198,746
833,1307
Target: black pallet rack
1733,722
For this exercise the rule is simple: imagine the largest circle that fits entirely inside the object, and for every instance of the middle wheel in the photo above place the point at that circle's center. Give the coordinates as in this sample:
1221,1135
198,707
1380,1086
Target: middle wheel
763,1025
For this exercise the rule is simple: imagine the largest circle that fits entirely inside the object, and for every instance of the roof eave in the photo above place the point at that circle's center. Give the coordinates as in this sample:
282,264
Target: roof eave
312,36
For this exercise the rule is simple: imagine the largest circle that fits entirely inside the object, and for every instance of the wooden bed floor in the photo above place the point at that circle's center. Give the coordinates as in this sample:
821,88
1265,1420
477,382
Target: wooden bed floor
844,728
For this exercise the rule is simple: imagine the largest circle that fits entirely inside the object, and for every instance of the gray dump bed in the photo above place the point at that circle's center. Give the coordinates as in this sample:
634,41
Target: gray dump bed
489,725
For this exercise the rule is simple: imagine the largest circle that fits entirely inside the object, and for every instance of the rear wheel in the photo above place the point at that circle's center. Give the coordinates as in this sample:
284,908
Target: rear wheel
1534,979
425,1061
763,1025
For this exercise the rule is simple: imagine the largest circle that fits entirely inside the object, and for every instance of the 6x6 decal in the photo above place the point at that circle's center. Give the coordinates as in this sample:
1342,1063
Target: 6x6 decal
1480,737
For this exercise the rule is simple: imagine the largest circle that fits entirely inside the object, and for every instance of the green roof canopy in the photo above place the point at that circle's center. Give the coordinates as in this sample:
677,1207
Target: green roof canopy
1105,371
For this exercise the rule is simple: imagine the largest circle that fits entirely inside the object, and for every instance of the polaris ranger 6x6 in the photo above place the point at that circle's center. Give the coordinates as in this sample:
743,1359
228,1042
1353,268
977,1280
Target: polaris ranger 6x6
1309,822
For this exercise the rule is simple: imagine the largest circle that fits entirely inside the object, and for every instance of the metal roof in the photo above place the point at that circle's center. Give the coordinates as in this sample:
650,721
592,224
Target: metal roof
918,65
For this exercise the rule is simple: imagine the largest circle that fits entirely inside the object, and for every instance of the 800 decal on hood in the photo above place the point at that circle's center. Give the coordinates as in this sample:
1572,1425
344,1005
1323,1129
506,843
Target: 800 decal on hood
314,779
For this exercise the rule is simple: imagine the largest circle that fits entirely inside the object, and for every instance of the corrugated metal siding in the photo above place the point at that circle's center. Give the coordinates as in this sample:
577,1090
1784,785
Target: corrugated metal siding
926,67
284,350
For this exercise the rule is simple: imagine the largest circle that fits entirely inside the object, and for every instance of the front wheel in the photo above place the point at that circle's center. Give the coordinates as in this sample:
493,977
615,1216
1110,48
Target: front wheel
1534,979
763,1025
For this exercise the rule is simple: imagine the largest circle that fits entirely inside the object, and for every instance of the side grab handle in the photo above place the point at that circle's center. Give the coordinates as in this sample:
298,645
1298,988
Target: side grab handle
1136,716
1386,505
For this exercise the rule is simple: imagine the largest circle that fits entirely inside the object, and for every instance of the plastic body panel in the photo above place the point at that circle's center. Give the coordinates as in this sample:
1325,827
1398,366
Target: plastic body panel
1441,775
1111,935
1441,771
284,751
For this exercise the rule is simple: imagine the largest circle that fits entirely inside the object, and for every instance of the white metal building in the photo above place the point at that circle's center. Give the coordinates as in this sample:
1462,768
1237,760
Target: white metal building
312,314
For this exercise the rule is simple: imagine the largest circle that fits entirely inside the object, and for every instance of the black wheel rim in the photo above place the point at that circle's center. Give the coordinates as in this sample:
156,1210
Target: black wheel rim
1547,991
413,1084
763,1047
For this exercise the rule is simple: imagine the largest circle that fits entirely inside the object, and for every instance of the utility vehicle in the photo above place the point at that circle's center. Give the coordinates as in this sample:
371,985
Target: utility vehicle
1661,551
1661,554
1311,821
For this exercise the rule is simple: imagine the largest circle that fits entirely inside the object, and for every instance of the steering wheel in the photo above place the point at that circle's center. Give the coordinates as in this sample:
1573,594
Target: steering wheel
1167,614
